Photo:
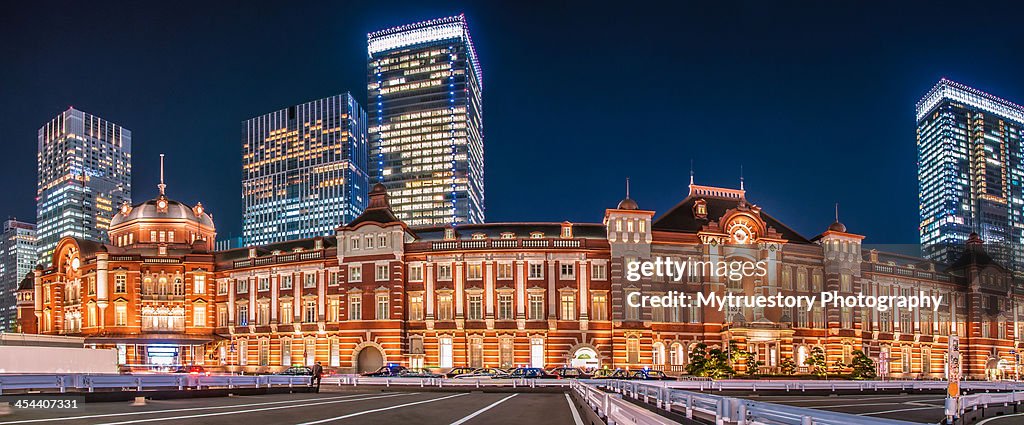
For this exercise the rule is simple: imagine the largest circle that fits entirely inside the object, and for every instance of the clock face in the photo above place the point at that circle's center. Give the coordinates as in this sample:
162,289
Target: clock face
162,204
742,232
740,236
75,263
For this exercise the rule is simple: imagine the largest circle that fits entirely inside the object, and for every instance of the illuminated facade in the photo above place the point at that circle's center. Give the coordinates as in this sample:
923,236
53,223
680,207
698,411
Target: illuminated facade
303,170
18,256
85,167
971,173
521,294
426,125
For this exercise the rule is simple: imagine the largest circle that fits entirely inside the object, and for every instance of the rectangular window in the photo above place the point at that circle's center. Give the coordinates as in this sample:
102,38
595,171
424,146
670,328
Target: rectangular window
506,353
243,352
383,307
599,306
286,282
537,352
382,241
355,273
475,311
505,307
444,307
355,242
416,307
444,272
568,271
264,352
474,272
120,284
199,315
121,314
504,271
263,314
286,352
243,315
632,350
568,306
92,314
222,315
355,307
787,278
536,271
332,278
241,286
222,287
309,311
287,315
264,284
382,272
91,286
445,351
333,309
309,280
845,283
416,273
199,284
335,349
599,272
536,307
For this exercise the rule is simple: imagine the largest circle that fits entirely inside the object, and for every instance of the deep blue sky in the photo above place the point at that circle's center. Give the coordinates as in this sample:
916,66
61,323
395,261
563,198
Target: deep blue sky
814,99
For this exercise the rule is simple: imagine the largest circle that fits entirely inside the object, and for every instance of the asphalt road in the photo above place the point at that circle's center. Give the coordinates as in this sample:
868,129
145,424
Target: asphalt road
428,408
924,408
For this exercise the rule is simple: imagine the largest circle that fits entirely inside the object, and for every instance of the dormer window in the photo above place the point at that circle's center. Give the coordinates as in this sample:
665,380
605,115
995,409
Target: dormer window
508,235
566,230
449,234
536,235
479,236
700,209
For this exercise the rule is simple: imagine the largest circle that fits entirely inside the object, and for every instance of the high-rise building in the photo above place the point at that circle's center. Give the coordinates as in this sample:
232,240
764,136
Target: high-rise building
17,259
970,173
426,124
85,167
303,170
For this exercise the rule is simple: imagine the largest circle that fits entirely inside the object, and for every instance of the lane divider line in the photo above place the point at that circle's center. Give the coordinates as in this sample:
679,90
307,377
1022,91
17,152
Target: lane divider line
366,412
183,409
204,415
575,413
478,412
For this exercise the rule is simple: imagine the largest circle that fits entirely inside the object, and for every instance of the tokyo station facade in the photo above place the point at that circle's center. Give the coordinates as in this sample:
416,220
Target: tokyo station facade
508,294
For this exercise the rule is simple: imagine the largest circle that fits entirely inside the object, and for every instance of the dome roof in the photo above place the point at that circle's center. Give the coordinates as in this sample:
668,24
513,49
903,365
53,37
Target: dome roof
628,204
837,227
152,209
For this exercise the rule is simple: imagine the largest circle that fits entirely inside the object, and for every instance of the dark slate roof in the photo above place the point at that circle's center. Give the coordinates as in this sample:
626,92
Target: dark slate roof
375,215
27,283
285,247
521,230
974,255
681,219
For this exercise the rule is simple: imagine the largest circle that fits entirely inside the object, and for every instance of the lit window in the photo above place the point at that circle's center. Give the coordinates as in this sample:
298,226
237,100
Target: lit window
383,307
568,305
355,274
382,272
536,307
355,307
199,315
475,307
445,351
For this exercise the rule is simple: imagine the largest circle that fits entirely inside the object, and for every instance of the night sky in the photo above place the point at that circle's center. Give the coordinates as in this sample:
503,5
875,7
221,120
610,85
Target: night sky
815,100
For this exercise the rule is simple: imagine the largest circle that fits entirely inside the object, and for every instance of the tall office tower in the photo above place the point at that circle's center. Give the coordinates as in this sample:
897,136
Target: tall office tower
426,125
303,170
970,173
17,259
85,169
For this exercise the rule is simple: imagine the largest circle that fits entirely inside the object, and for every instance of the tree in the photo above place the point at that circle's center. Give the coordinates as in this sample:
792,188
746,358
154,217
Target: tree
712,363
816,361
863,366
788,366
698,360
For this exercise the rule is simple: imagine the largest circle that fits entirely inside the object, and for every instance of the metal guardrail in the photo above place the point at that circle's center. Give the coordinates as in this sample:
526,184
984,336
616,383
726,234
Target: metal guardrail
356,380
732,410
807,385
146,382
614,410
956,408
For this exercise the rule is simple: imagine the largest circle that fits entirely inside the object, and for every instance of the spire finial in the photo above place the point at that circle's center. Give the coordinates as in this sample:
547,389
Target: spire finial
161,186
837,212
627,187
741,177
691,171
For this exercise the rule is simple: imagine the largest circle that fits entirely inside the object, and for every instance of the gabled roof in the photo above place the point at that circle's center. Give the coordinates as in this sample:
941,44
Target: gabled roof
681,218
378,211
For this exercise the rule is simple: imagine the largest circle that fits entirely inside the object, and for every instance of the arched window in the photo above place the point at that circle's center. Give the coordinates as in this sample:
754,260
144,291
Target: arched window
658,353
801,356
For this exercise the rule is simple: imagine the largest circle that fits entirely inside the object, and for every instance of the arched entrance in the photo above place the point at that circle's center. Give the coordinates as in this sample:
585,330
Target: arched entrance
585,357
369,359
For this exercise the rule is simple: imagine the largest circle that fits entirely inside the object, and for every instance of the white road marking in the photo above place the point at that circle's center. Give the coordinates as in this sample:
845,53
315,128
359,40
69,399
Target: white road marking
999,417
897,410
575,413
366,412
478,412
171,418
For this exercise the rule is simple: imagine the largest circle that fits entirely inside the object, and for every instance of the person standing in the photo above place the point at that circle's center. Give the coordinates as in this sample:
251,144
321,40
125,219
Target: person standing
318,371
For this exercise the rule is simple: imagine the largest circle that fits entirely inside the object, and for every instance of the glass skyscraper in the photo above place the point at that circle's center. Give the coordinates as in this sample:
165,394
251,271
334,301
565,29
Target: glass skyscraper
970,172
85,168
18,258
303,170
426,125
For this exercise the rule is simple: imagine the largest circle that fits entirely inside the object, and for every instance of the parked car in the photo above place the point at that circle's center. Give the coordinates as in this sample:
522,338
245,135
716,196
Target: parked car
610,374
650,375
419,373
192,370
297,371
458,371
569,373
525,372
386,371
484,372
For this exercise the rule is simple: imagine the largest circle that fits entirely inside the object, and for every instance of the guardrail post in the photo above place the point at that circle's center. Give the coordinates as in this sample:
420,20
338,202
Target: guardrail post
181,387
387,382
138,384
689,406
806,420
606,402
